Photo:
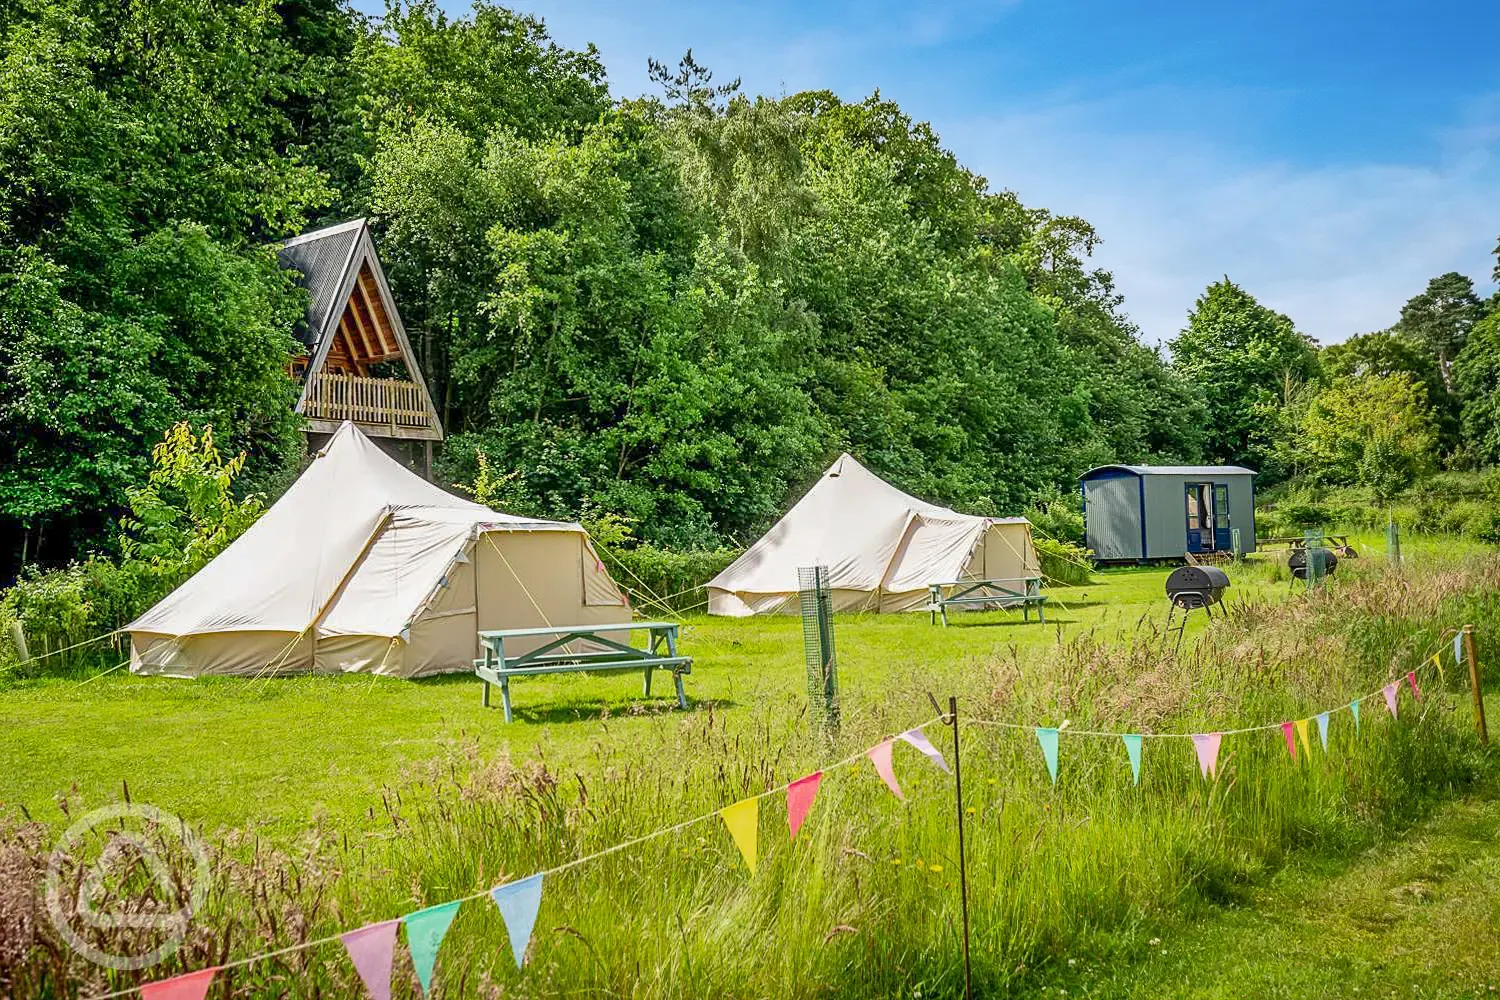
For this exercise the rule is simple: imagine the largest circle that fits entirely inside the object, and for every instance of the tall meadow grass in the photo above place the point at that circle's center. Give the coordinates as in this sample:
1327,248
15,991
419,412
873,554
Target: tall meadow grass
865,901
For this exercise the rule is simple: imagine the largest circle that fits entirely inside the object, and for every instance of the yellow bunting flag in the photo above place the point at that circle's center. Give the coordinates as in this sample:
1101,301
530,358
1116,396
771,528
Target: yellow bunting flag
1302,735
743,820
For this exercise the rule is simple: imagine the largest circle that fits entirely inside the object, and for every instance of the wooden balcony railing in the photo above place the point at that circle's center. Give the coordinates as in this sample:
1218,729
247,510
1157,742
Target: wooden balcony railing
331,396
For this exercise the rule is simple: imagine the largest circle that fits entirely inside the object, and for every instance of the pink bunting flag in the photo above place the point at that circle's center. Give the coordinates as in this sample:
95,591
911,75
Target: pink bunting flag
880,756
1390,691
799,799
1207,745
370,949
919,739
1411,679
193,986
1291,742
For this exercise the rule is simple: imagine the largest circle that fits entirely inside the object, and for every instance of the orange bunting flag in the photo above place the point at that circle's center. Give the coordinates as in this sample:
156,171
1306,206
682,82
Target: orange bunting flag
799,799
880,756
743,820
1291,743
193,986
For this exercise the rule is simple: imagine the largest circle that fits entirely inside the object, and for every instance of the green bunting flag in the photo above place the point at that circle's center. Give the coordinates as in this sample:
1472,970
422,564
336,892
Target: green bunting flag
1133,751
1048,739
424,935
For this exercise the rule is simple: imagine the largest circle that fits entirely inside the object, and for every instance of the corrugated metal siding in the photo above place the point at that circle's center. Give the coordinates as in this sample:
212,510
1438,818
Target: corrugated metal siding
1112,522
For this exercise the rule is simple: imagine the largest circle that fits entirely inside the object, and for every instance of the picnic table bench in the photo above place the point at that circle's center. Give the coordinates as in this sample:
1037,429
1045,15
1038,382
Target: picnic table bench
496,668
1024,591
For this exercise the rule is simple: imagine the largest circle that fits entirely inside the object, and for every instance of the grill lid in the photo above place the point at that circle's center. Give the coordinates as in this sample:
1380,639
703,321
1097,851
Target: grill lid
1206,579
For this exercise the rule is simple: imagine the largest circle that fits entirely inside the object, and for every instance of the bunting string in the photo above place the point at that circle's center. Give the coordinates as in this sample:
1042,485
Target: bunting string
557,869
370,946
1385,690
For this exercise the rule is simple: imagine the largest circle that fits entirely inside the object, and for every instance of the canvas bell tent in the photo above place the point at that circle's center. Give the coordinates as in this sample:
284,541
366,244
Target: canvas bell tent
364,566
882,549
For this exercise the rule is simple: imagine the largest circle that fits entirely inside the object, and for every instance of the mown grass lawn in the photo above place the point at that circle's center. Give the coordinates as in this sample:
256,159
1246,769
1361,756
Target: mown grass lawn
1089,867
282,754
279,754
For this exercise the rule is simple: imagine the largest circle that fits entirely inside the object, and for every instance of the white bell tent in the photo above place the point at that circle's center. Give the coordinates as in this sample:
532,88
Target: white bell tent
364,566
882,548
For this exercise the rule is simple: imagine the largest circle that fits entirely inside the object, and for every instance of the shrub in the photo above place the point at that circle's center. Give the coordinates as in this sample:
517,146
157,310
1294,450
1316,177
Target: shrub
183,516
663,579
1059,516
58,609
1063,562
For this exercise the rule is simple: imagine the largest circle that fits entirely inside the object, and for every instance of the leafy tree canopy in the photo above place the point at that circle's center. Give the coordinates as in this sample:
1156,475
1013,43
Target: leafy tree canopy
1248,361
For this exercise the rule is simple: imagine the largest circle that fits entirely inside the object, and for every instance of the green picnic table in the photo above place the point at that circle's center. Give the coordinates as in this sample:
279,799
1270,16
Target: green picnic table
553,657
1024,591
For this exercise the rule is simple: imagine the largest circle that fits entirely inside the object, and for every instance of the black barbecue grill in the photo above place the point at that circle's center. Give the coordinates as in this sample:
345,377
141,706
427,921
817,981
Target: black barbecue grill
1191,588
1297,563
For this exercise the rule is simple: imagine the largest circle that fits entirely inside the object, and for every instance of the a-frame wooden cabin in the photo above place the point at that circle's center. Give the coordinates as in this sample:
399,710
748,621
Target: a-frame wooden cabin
359,364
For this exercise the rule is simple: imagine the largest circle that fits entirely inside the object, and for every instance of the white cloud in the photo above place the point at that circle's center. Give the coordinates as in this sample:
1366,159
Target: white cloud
1337,248
1183,185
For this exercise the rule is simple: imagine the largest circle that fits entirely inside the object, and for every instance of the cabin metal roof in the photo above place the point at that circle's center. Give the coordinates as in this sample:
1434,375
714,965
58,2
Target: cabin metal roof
323,257
1171,470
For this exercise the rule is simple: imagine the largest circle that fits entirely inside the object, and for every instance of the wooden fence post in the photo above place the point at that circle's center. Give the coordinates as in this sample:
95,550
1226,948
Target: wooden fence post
1484,734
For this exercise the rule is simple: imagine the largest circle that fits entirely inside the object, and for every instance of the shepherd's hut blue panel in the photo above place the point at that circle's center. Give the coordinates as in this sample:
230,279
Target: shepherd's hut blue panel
1146,512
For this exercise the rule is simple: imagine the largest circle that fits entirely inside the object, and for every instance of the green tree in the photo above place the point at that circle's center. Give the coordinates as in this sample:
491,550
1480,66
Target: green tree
493,67
1476,376
150,150
434,89
597,364
187,512
1376,430
1440,319
1243,356
1395,352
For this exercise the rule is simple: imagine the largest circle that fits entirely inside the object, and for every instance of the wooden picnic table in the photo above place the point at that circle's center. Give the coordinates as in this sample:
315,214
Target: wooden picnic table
553,657
1024,591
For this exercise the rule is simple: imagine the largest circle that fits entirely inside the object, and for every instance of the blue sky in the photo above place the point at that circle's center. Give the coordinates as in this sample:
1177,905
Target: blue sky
1328,156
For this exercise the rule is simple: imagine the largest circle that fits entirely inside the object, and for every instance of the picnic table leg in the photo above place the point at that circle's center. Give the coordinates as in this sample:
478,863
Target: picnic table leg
681,695
488,659
944,608
646,690
1041,613
505,696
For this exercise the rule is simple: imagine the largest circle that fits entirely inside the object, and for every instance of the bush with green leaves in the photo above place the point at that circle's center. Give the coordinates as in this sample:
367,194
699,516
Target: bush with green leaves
1064,562
186,513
